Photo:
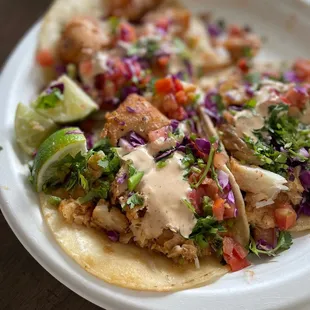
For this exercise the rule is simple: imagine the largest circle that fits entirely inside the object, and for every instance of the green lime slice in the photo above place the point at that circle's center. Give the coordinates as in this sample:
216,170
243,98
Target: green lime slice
68,105
61,143
31,128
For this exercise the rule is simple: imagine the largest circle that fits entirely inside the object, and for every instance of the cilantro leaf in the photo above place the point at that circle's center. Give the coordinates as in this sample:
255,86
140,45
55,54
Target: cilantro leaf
284,243
161,164
110,163
102,145
49,101
53,200
100,191
206,233
207,205
135,200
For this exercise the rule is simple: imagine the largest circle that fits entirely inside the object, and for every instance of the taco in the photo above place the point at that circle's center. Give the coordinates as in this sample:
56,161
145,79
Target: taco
263,124
104,46
149,207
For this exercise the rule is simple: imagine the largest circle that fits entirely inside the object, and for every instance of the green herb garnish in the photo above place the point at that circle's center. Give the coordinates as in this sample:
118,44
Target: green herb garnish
49,101
135,200
284,243
134,177
53,200
207,168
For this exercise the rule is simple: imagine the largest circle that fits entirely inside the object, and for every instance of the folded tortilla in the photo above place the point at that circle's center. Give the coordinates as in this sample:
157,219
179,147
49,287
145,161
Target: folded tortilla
126,265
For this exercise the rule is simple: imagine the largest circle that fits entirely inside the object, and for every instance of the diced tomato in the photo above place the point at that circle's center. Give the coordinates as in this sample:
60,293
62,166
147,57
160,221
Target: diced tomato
177,85
240,251
164,86
229,211
44,58
302,69
163,61
234,254
179,114
195,197
210,188
243,65
296,97
269,235
162,23
236,263
127,32
285,216
218,209
86,68
235,30
181,97
159,133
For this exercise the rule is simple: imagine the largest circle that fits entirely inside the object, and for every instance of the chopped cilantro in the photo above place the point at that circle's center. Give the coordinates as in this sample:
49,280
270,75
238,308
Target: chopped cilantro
146,47
207,168
283,133
49,101
207,205
134,177
206,232
188,160
161,164
102,145
114,23
135,200
251,104
247,52
110,163
215,178
83,181
100,191
53,200
134,180
284,243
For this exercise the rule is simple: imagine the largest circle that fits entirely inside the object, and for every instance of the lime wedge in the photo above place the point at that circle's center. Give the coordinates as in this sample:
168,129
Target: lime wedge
31,128
65,104
61,143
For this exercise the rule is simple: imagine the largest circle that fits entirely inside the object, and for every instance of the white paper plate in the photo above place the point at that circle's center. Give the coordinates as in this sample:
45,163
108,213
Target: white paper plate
282,282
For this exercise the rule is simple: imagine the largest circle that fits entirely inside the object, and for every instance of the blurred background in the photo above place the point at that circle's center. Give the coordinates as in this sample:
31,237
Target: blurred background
24,284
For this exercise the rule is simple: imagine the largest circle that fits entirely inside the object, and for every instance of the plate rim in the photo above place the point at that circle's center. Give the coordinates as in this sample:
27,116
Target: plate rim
109,302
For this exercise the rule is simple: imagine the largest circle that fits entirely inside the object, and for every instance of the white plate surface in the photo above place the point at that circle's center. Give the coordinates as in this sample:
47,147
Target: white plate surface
282,282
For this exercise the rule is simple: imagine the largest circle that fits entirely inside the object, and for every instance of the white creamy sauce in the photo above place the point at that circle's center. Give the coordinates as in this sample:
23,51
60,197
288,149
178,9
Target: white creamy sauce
246,122
164,189
161,144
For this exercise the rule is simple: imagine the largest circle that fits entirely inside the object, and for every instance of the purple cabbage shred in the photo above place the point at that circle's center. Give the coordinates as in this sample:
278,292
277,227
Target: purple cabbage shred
121,179
305,179
113,235
130,110
203,145
214,30
263,245
135,139
291,77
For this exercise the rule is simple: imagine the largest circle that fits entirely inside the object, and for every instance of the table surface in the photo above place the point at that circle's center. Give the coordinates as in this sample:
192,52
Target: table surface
24,284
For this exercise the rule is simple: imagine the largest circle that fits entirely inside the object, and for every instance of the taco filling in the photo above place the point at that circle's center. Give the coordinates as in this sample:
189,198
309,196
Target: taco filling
155,187
263,124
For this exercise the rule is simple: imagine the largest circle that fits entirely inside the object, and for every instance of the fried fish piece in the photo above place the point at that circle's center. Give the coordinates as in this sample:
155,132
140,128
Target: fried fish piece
134,114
